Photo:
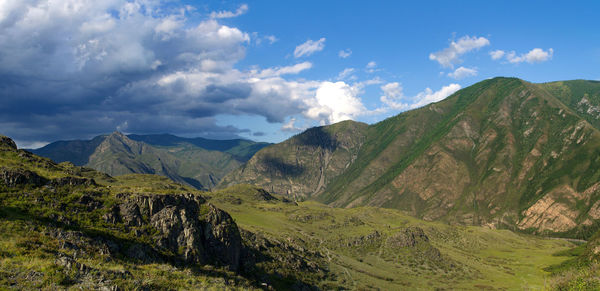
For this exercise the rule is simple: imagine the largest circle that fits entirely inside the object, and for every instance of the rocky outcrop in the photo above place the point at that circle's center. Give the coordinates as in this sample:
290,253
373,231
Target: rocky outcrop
410,237
72,181
263,195
7,144
195,231
15,177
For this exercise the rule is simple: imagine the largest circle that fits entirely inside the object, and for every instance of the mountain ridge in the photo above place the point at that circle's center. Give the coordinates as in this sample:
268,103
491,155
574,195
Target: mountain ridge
503,153
183,160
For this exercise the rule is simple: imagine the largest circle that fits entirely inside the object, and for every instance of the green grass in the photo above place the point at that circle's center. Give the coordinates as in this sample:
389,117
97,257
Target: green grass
478,256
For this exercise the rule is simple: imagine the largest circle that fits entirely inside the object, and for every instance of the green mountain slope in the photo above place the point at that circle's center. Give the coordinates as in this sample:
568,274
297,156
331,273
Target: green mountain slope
183,163
241,149
501,153
303,165
67,227
198,162
77,152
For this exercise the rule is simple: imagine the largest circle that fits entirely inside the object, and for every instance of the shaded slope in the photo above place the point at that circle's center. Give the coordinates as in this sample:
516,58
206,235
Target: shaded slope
75,151
199,162
303,165
241,149
119,155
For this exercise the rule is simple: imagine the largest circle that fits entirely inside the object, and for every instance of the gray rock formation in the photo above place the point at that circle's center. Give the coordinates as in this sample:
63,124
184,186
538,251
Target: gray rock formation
193,230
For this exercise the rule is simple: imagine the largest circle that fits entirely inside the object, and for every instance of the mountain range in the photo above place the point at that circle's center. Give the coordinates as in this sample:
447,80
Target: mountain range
504,153
461,194
66,227
197,162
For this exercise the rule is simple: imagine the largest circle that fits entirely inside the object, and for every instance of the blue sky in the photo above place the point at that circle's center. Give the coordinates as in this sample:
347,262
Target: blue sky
266,70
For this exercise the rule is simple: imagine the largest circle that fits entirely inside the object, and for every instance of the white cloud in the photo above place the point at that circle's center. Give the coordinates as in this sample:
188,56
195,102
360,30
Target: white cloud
335,102
428,96
30,145
290,126
463,72
393,95
229,14
271,38
371,67
344,53
451,55
536,55
346,73
369,82
278,71
309,47
497,54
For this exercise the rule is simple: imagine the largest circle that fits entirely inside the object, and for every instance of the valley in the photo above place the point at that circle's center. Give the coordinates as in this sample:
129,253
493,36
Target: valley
494,188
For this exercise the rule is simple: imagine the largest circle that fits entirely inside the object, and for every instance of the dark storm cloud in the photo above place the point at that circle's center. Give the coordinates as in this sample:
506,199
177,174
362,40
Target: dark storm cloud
76,68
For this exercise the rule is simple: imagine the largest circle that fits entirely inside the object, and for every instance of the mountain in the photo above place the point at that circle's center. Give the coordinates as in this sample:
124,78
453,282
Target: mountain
77,152
303,165
502,153
68,227
197,162
241,149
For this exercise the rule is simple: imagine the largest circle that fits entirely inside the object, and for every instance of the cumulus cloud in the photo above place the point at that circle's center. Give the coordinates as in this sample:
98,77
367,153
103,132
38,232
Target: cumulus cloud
290,126
77,68
230,14
393,96
462,73
344,53
450,56
497,54
335,102
309,47
536,55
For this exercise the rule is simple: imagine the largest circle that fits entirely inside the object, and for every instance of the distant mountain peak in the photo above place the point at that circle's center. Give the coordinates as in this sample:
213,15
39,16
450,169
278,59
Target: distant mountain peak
118,134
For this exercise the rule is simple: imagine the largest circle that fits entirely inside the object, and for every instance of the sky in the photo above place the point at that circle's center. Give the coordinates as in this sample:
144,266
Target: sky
266,70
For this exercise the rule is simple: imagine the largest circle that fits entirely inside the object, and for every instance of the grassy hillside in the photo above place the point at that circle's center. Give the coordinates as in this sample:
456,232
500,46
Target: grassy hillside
64,226
68,227
373,248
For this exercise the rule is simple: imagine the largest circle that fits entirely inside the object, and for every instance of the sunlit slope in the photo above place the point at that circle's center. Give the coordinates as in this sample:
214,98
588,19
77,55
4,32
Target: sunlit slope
366,247
502,153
